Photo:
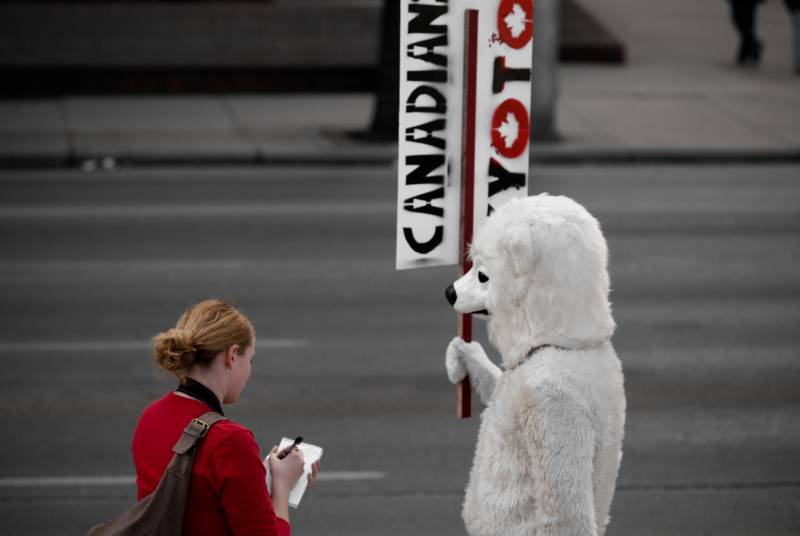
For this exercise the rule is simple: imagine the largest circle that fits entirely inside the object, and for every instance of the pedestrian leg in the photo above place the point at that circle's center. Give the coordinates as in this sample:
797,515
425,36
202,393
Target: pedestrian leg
743,13
795,18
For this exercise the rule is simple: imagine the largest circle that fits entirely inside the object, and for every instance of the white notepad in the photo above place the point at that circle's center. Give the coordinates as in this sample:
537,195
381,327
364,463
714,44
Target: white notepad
311,453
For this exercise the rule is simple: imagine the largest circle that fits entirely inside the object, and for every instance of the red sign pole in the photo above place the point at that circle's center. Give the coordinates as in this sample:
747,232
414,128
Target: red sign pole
467,185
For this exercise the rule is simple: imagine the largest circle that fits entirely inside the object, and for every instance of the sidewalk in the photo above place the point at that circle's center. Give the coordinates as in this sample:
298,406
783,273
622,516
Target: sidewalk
680,95
679,98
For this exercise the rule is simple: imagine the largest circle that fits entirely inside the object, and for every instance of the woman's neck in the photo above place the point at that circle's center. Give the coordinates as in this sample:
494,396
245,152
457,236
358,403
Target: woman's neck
195,388
209,380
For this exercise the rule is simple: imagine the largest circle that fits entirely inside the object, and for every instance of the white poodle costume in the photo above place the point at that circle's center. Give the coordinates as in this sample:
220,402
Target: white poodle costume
549,445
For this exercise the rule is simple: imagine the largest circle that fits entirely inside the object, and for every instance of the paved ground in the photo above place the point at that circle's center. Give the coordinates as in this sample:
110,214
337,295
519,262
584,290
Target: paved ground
678,98
706,294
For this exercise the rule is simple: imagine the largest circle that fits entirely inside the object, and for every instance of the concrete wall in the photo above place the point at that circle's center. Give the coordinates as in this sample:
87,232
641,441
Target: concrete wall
190,34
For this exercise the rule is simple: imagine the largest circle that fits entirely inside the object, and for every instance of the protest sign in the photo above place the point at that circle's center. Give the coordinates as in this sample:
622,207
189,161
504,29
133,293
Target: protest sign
465,86
431,120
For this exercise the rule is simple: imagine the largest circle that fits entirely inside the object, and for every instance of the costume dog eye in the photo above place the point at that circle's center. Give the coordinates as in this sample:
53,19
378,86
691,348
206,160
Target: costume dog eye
483,278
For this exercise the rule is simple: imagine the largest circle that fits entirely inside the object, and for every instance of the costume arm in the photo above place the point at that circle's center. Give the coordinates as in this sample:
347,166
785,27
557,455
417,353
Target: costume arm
560,438
243,488
463,358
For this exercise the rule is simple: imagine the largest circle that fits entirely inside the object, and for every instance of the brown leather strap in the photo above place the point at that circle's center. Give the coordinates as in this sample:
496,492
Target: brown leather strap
196,430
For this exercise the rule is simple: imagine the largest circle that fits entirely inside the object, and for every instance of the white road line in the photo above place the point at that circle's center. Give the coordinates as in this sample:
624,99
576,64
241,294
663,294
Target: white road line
129,480
773,208
351,475
117,346
234,210
66,481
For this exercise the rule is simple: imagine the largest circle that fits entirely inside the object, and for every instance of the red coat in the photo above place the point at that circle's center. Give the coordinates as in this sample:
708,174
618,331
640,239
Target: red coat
228,492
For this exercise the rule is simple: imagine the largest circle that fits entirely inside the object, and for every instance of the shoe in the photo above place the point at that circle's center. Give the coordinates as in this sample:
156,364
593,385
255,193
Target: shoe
741,55
749,54
754,57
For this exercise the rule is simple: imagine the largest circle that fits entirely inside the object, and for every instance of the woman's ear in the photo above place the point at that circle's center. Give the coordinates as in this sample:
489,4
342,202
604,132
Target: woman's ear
230,355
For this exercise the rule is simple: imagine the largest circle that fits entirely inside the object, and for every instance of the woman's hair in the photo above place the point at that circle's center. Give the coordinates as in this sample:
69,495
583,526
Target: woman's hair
203,331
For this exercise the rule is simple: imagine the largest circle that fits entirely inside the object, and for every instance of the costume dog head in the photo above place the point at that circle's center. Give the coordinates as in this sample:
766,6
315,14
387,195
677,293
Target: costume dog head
539,276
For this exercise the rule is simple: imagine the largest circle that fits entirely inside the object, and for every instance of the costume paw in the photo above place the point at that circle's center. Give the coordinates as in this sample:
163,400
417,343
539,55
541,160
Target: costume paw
458,351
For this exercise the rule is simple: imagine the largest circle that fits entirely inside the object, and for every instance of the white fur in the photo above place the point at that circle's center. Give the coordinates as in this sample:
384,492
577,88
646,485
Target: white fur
550,439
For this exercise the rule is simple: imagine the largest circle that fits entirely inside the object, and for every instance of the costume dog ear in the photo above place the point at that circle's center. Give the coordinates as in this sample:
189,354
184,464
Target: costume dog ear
517,247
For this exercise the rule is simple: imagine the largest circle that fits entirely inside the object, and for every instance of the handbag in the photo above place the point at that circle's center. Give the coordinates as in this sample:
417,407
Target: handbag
161,512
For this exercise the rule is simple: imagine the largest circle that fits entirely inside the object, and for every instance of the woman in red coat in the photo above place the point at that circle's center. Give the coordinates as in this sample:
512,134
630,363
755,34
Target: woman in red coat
210,350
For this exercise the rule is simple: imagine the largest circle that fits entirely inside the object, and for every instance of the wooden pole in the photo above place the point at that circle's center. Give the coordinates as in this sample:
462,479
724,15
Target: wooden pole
464,405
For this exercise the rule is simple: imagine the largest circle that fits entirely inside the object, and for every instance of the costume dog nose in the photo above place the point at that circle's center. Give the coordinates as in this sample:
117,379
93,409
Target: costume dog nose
450,292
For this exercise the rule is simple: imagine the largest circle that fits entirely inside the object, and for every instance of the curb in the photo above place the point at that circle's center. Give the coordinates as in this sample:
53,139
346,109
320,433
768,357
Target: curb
109,162
382,155
663,156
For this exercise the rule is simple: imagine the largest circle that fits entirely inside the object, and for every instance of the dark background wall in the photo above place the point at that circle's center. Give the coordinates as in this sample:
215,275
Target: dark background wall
79,47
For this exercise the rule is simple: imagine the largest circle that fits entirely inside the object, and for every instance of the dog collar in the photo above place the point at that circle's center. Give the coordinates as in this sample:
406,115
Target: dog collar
535,350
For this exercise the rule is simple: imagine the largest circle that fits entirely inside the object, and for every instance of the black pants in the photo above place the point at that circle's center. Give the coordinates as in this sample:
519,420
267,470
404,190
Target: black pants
743,13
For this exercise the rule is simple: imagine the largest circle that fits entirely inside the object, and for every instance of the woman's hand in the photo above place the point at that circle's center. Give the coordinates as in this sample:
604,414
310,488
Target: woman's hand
284,474
287,471
313,476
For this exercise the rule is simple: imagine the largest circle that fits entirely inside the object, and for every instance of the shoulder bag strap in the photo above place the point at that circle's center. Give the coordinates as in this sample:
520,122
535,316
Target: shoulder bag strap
181,465
196,430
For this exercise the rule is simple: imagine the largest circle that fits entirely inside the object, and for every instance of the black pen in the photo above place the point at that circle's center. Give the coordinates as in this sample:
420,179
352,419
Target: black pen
285,452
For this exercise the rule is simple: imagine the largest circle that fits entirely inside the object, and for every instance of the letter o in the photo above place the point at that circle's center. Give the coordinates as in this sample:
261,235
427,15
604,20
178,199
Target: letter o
520,113
506,7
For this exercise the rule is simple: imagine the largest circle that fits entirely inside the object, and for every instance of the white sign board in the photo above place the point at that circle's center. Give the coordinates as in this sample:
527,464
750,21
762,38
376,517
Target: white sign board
428,139
502,122
430,126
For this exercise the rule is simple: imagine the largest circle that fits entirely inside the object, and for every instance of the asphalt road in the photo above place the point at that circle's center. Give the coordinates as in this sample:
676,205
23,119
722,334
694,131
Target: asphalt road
706,293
